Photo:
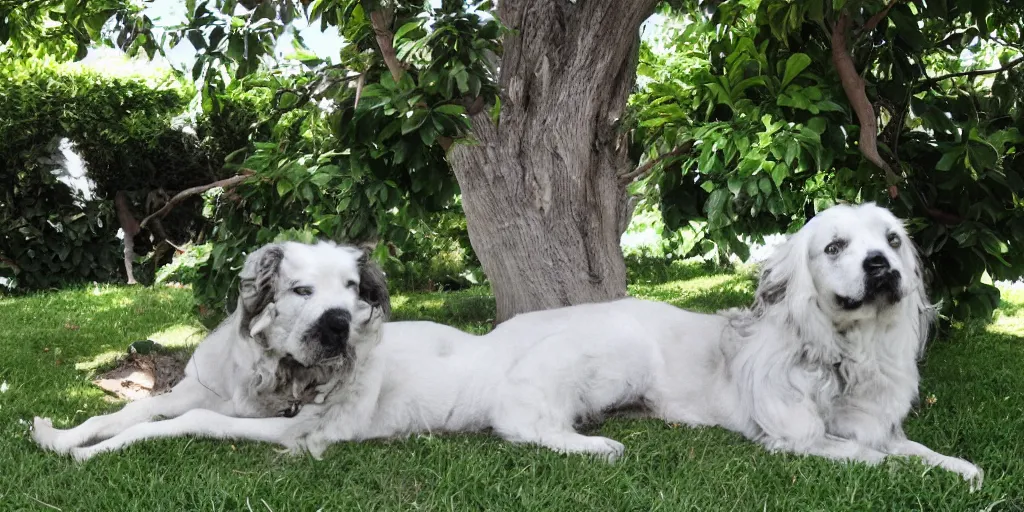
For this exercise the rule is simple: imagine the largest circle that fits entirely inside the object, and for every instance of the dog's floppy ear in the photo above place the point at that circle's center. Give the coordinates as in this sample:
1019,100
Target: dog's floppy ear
373,285
258,286
783,274
918,299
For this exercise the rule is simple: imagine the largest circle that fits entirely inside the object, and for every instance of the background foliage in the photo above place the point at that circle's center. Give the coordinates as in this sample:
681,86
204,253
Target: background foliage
739,108
753,89
128,131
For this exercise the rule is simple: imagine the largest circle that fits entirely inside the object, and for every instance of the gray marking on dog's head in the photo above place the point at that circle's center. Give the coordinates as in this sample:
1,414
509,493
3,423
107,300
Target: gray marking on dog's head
373,285
258,283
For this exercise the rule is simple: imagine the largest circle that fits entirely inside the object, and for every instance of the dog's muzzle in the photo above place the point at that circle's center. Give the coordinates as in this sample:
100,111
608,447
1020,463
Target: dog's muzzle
881,281
881,284
332,329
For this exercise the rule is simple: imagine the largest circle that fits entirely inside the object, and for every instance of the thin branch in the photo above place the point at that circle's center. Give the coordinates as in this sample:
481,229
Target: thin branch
639,172
877,18
973,74
473,105
381,22
188,192
854,87
131,227
10,263
359,89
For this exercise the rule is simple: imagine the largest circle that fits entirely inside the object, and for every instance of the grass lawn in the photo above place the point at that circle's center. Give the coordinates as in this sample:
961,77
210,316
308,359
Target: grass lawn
973,378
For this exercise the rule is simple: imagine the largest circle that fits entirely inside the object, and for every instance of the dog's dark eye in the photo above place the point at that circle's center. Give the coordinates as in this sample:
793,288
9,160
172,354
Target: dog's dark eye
303,291
894,240
833,248
351,284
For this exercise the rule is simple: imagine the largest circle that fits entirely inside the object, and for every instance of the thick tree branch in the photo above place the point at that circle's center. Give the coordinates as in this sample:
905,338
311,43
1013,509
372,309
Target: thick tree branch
381,22
854,87
972,74
188,192
641,171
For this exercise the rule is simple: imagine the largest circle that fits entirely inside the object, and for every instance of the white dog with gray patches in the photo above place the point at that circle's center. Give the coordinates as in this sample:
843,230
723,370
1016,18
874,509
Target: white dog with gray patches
305,312
824,364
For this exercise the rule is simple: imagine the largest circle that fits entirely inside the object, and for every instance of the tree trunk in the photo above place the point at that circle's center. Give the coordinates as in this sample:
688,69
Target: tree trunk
542,190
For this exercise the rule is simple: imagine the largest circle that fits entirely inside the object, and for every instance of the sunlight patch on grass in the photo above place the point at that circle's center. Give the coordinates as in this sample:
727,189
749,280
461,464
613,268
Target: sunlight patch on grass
1009,318
180,335
102,360
398,301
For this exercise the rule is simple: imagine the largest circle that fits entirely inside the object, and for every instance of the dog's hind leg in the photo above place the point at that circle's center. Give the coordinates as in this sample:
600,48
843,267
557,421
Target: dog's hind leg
203,423
528,421
187,395
569,442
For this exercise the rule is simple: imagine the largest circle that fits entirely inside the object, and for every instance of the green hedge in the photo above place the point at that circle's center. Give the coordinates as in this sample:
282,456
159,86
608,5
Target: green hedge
126,131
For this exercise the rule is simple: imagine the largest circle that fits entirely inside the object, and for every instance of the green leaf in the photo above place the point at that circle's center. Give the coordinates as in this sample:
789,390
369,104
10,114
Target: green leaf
450,109
982,156
414,121
792,151
949,159
752,188
320,179
408,27
283,187
462,79
735,184
779,173
817,124
794,65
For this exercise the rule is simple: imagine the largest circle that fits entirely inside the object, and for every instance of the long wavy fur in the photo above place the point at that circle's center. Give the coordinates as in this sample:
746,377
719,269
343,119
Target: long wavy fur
786,352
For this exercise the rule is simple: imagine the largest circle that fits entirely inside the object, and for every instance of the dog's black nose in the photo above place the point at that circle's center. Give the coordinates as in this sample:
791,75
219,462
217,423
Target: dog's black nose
334,322
876,264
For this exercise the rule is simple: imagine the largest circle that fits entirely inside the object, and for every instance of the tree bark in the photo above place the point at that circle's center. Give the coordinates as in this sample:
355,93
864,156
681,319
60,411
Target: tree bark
542,190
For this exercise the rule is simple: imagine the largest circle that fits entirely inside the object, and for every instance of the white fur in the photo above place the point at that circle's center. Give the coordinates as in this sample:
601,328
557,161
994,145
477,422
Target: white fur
796,372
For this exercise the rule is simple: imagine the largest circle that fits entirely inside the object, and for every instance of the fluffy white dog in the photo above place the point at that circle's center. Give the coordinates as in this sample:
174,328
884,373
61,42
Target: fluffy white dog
303,317
824,364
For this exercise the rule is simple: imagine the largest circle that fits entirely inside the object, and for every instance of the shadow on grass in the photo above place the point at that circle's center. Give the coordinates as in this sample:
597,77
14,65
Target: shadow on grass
54,341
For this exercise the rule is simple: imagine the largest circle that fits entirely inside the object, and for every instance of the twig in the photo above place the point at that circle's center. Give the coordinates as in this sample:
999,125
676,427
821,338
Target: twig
188,192
972,74
877,18
10,263
628,177
131,227
43,503
359,88
381,22
854,87
473,105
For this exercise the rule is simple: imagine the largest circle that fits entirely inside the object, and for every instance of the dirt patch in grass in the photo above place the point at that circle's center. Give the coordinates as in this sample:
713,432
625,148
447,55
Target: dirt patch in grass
143,375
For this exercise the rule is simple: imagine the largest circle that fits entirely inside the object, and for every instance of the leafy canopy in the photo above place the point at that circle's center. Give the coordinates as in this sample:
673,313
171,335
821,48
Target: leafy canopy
756,89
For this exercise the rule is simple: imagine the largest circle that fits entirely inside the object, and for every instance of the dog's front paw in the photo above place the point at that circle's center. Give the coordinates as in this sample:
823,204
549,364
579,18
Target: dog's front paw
972,474
608,449
43,433
83,453
292,448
